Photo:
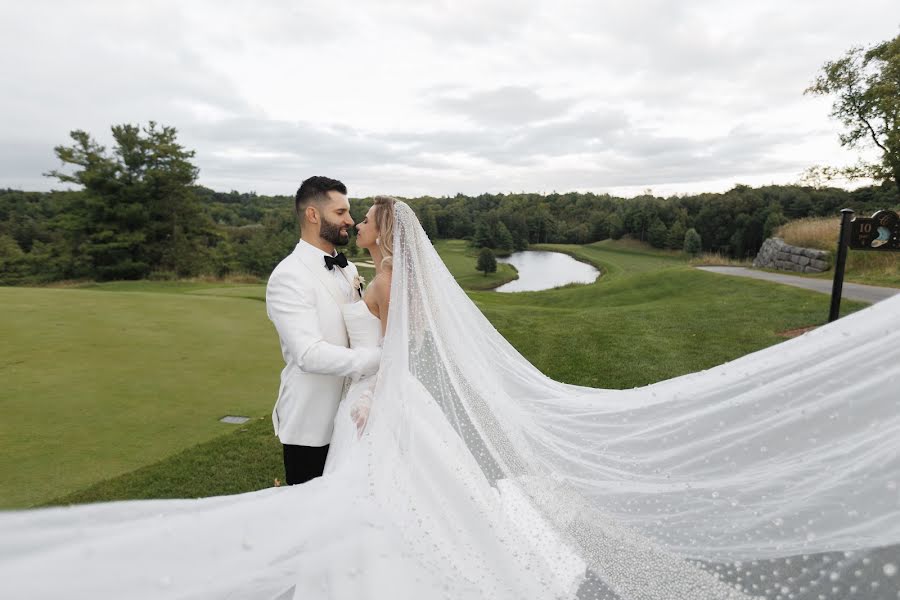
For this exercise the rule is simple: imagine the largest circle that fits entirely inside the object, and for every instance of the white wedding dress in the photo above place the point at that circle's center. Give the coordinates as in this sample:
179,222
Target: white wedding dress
363,331
776,476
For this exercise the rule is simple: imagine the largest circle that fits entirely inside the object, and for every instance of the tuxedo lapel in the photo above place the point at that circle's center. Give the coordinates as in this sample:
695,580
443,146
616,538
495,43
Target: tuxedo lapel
319,271
349,272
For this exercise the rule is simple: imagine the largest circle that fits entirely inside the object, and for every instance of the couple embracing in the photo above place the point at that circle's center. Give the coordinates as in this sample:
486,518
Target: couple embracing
316,300
454,468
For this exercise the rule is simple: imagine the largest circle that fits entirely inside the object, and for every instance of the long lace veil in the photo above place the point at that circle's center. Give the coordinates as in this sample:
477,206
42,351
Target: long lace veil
775,475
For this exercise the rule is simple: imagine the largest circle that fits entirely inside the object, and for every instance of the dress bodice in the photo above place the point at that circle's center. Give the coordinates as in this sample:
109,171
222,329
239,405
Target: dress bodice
363,328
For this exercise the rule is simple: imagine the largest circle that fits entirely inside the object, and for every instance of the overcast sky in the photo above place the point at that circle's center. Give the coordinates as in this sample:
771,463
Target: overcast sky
414,97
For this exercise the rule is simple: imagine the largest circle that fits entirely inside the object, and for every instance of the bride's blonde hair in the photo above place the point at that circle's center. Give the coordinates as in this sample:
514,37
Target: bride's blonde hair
384,221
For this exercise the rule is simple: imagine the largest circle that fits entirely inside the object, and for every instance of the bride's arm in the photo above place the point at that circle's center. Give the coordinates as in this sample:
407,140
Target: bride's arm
382,293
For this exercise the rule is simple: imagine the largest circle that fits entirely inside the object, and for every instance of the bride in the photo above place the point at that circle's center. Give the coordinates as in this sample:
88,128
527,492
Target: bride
461,471
366,321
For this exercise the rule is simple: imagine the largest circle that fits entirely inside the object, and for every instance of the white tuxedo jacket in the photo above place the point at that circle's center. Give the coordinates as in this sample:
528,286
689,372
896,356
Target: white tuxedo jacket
303,301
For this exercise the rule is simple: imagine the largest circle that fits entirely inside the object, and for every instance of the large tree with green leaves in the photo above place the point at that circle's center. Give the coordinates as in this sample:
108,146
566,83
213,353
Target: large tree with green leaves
866,85
138,212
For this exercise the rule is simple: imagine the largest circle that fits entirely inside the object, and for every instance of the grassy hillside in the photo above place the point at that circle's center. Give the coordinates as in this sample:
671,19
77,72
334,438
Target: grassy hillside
650,317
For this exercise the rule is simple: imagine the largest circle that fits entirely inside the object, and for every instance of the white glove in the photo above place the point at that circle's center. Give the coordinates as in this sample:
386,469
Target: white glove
359,412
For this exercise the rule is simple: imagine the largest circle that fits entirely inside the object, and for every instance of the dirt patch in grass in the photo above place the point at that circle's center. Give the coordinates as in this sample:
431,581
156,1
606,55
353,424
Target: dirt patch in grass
792,333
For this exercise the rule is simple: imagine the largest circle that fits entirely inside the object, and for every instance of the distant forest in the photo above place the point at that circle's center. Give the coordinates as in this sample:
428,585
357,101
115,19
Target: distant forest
63,235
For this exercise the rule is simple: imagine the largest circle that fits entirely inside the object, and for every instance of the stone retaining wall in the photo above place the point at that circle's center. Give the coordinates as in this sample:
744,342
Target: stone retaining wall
775,254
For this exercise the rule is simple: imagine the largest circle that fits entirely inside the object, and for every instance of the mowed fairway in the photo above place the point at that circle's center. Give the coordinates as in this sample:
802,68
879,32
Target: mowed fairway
111,391
98,383
649,317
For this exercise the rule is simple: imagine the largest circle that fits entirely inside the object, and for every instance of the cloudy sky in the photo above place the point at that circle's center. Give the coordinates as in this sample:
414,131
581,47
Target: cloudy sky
414,97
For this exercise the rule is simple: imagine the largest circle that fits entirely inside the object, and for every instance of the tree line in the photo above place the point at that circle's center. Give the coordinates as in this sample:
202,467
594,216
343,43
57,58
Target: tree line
141,215
734,223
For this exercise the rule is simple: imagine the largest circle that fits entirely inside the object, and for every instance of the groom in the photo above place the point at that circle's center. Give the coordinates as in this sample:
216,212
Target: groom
303,300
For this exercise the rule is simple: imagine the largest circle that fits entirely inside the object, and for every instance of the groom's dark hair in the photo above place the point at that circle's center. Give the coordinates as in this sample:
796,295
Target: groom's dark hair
315,189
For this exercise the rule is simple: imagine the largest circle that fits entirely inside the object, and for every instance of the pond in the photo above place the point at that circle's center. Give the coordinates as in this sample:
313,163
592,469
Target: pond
540,270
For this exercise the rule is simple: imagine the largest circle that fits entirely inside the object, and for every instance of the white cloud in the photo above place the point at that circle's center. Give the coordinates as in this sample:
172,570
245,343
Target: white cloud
427,97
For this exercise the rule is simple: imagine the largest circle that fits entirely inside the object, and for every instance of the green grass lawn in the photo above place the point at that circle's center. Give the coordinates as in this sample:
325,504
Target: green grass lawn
616,258
99,383
114,391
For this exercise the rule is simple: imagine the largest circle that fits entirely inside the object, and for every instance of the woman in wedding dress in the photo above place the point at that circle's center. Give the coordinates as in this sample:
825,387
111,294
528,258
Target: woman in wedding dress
461,471
366,321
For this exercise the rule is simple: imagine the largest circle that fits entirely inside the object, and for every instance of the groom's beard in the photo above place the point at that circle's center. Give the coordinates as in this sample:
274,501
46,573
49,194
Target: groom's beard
333,233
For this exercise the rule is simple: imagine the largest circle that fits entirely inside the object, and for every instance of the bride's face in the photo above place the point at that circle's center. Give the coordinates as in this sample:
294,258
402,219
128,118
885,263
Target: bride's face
366,230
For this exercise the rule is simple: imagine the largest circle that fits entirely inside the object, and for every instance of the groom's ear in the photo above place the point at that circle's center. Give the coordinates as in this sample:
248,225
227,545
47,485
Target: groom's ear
311,215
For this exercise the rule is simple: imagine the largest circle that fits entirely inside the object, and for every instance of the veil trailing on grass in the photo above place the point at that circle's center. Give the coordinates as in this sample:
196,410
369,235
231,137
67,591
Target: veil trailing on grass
775,475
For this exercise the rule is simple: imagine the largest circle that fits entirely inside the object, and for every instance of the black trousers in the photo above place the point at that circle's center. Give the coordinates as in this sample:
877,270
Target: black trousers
302,463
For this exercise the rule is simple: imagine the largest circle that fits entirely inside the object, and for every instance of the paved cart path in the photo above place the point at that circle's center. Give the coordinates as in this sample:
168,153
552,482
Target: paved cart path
851,291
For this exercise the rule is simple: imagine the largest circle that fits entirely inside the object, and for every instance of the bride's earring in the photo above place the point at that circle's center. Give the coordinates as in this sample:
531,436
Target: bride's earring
378,241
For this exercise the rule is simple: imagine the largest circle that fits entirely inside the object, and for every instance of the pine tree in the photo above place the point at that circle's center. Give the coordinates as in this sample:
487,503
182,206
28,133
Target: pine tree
482,237
12,261
429,223
657,233
692,242
139,212
675,239
504,238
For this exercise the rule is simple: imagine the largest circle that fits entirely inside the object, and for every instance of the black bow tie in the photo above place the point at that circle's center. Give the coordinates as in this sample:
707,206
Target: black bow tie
339,259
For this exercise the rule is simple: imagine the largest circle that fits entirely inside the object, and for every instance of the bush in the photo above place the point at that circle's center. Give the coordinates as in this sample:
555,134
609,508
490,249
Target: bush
162,276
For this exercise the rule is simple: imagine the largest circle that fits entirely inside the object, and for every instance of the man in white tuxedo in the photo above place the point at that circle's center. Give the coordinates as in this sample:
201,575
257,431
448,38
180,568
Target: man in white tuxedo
303,300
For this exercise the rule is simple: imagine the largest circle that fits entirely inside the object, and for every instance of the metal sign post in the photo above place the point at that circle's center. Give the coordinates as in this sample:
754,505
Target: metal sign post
839,262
